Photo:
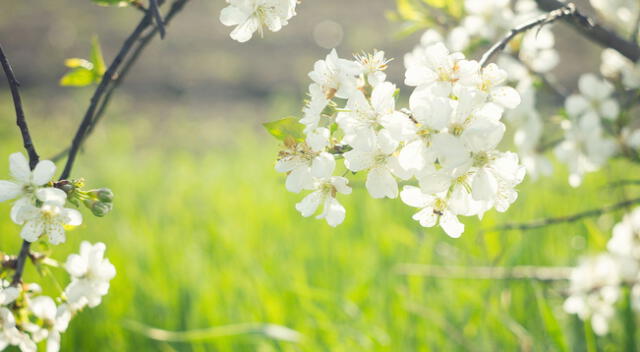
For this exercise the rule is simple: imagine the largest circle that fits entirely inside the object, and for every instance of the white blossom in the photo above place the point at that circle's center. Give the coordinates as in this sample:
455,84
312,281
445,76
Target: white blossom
584,149
594,98
49,218
249,16
376,157
434,209
326,188
91,273
593,291
25,181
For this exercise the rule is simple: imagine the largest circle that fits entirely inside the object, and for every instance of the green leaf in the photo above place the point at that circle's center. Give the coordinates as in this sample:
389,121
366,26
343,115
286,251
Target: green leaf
76,62
286,127
119,3
85,72
78,77
96,57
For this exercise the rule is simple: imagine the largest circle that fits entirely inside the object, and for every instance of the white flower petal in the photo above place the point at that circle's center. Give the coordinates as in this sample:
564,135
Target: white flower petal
413,196
9,190
32,230
323,165
43,172
310,203
380,183
451,225
19,168
56,233
506,96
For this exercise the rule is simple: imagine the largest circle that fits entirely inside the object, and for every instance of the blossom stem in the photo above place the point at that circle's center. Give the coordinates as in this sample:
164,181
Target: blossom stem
22,259
568,10
564,219
595,32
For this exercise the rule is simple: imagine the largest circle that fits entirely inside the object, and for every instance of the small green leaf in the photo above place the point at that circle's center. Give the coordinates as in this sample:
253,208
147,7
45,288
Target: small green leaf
76,62
285,128
96,57
78,77
85,72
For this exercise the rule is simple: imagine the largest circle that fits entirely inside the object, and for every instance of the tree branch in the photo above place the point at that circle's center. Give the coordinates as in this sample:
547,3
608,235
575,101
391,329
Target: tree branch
102,96
21,121
17,103
155,10
565,219
568,10
595,32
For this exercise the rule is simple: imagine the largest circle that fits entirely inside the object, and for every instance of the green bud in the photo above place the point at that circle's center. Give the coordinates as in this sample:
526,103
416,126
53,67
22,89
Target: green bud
66,186
104,195
101,209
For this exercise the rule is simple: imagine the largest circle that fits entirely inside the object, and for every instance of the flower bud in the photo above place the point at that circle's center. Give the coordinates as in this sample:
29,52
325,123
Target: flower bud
66,186
104,195
98,208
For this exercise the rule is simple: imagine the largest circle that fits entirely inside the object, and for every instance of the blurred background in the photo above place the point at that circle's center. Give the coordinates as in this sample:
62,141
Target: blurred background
204,234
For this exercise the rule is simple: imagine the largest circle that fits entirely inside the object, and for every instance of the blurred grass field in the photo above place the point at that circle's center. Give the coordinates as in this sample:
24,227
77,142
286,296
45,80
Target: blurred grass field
204,234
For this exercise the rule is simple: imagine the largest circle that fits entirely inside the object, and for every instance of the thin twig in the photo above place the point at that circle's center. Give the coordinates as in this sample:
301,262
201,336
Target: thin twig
565,219
155,9
524,272
568,10
131,59
21,121
594,31
17,103
108,76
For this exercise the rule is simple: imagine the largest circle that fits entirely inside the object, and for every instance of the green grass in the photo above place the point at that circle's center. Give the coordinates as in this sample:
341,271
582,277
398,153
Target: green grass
204,234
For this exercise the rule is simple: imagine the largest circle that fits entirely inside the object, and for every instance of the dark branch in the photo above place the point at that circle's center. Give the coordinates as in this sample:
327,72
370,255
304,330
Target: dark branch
17,103
565,219
595,32
28,145
155,9
565,11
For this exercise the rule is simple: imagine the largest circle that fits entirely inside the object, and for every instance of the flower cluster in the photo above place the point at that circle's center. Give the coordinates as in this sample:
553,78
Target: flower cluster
445,142
597,282
249,16
27,317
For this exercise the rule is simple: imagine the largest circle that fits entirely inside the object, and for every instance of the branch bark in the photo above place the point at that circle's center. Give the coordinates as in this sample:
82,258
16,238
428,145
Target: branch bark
566,11
21,121
595,32
565,219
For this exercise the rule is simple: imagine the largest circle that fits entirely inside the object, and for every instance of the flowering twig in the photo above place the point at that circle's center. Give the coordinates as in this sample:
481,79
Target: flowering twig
28,145
565,219
594,31
568,10
538,273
